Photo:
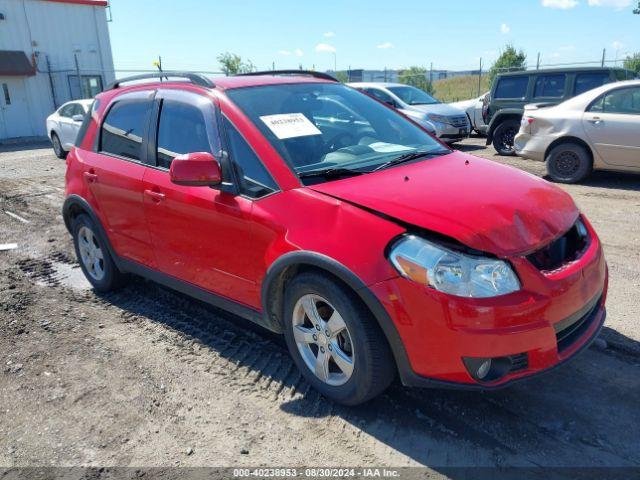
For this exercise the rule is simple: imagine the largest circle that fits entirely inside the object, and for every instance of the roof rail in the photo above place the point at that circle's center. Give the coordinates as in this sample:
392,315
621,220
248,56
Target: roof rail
194,78
311,73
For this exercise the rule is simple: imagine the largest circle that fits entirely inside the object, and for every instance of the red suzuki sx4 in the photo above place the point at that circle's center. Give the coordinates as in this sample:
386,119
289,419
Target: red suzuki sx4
322,214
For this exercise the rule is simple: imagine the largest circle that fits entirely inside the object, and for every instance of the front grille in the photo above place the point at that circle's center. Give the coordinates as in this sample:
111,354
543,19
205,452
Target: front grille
519,362
571,329
459,121
567,248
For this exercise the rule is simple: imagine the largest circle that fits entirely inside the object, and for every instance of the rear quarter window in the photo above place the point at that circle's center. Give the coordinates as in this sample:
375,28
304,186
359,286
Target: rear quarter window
512,87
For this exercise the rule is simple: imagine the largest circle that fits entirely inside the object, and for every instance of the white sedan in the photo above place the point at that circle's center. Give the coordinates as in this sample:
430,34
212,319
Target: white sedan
473,109
598,130
63,125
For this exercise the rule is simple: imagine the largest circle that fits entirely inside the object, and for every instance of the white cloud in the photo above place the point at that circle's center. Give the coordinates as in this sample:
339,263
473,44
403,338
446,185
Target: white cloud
617,45
385,45
286,53
504,28
329,34
617,4
560,4
325,47
298,53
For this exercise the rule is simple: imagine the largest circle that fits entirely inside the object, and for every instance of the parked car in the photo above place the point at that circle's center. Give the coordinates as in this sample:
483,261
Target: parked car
447,123
320,213
63,125
512,91
474,108
598,130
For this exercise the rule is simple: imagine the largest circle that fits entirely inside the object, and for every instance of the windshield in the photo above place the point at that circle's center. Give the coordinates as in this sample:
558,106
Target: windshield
413,96
318,127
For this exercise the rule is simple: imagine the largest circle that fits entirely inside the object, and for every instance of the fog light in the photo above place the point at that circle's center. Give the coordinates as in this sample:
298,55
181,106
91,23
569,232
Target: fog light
487,369
483,369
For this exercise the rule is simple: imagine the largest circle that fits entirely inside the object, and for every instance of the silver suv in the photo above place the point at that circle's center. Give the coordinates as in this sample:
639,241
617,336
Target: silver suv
448,123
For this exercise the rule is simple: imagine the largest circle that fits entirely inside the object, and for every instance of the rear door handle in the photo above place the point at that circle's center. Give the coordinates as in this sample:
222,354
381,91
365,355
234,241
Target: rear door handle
596,121
157,196
90,176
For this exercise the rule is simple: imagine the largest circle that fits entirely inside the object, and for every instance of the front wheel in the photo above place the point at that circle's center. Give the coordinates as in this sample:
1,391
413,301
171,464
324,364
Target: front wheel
335,341
504,137
569,163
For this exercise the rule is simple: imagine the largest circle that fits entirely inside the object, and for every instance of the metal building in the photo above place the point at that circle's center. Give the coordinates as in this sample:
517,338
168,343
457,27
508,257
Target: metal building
51,51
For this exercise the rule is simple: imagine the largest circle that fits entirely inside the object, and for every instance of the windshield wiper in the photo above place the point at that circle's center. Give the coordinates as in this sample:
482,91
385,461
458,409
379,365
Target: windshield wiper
407,157
330,173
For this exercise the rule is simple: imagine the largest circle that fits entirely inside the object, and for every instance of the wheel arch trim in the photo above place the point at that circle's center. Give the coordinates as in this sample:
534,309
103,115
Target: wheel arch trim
73,202
272,298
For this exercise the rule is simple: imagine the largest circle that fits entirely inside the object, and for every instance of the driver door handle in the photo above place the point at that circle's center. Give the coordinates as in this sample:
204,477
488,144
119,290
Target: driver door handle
157,196
90,176
596,121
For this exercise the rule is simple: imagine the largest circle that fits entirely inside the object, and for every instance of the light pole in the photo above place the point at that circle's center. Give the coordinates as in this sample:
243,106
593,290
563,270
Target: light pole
335,63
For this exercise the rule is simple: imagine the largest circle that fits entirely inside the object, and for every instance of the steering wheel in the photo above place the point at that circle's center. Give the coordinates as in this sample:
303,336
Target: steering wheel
341,140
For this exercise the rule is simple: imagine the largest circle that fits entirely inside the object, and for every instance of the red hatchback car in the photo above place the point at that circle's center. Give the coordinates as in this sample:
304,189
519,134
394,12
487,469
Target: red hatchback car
320,213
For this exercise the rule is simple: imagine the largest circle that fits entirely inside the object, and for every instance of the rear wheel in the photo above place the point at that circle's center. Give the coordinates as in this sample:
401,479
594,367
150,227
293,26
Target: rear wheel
334,340
504,137
569,163
93,255
57,146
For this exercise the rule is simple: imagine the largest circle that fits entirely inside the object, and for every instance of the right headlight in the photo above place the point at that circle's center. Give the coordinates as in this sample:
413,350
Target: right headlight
452,272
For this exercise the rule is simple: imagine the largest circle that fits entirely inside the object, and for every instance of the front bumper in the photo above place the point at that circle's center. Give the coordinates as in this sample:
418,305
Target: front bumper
555,315
449,133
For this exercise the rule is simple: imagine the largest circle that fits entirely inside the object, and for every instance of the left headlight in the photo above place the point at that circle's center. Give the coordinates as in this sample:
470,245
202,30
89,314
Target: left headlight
452,272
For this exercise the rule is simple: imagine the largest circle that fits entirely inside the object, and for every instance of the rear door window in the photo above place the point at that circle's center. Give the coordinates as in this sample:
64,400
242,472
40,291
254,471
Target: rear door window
512,87
589,81
182,129
549,86
123,129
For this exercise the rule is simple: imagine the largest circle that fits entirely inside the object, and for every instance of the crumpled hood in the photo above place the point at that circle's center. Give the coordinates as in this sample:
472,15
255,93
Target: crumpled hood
437,108
483,204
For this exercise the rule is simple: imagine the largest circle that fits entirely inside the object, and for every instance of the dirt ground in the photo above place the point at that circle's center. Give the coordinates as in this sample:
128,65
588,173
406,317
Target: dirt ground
147,377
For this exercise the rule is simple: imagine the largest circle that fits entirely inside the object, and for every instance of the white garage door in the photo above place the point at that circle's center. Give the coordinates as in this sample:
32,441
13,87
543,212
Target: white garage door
14,111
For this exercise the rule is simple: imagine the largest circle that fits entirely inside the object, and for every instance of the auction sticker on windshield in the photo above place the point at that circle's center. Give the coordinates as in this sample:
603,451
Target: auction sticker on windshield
290,125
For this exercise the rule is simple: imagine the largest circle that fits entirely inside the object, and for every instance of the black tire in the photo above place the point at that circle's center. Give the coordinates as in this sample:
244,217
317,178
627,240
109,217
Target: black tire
503,137
569,163
111,278
57,146
373,364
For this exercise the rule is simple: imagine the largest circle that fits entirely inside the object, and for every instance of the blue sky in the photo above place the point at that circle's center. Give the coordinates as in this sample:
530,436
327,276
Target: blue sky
453,34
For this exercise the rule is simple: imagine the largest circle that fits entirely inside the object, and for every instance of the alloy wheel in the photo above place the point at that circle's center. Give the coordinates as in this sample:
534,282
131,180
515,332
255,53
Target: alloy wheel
323,339
91,254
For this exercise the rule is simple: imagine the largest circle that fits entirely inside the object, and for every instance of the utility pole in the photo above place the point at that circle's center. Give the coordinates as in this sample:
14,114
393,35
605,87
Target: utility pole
53,90
538,62
480,77
273,66
349,73
604,54
75,58
431,73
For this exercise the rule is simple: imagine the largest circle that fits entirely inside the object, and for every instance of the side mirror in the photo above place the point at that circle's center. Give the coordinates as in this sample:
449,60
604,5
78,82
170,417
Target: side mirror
196,170
78,118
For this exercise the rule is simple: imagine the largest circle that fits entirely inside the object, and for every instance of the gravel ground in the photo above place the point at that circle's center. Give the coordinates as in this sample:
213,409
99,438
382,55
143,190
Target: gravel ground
147,377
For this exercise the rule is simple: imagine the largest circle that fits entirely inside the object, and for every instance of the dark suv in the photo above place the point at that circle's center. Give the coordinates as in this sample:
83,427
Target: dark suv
510,92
